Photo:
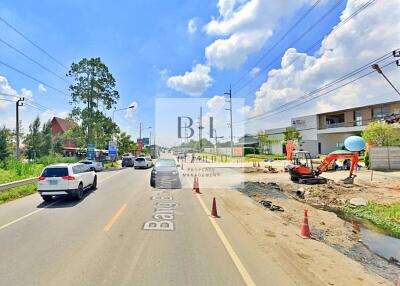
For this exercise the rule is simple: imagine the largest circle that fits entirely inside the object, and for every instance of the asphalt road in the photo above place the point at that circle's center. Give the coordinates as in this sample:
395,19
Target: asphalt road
108,239
101,241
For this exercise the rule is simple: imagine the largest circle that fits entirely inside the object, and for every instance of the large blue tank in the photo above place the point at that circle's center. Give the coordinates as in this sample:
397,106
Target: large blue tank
354,143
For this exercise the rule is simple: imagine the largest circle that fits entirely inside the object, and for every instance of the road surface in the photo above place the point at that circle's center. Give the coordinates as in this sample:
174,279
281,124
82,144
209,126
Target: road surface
108,239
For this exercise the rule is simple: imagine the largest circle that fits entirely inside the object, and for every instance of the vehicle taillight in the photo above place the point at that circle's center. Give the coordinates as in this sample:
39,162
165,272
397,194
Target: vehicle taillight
68,178
41,178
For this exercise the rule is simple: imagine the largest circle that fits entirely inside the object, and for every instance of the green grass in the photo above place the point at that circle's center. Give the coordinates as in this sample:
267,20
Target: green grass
266,156
386,217
16,193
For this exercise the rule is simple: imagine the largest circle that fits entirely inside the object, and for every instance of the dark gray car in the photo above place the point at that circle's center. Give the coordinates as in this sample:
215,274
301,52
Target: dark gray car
165,174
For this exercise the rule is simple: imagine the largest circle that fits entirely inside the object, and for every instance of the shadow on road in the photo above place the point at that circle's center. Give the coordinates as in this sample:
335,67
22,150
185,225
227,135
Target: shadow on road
113,169
64,202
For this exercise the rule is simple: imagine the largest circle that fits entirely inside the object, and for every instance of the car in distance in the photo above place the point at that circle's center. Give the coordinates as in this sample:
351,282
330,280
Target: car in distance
66,180
143,162
93,165
127,162
165,174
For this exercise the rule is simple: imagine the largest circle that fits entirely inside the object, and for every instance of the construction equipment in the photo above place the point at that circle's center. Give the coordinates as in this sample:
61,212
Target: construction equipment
301,169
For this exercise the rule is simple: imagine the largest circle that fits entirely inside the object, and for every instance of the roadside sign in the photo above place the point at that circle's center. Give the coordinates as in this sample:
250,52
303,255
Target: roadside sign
90,154
112,149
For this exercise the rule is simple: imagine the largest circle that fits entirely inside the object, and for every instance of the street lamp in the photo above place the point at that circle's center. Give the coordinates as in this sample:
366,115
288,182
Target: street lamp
379,70
130,107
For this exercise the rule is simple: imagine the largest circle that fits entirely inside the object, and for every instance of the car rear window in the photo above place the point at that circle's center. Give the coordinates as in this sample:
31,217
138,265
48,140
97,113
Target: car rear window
55,172
140,159
126,159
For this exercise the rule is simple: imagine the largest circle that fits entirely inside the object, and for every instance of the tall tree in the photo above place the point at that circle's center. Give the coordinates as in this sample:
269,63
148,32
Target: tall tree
33,139
5,141
46,144
93,90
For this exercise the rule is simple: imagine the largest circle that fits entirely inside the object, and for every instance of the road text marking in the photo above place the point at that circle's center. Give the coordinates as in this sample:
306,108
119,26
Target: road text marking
115,217
239,265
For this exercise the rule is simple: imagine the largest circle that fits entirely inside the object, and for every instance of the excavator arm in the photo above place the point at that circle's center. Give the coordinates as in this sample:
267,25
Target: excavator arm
340,155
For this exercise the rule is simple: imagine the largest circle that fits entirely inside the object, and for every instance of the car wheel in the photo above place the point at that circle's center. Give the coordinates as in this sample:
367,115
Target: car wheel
94,184
79,192
47,198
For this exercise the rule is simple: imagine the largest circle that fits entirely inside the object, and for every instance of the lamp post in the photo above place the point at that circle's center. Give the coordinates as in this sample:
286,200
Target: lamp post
379,70
130,107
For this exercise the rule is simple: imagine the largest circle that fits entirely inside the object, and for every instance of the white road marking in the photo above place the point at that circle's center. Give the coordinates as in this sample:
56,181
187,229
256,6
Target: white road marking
42,209
236,260
27,215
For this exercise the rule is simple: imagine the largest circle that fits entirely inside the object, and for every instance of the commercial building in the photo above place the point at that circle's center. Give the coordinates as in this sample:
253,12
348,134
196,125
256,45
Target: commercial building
325,132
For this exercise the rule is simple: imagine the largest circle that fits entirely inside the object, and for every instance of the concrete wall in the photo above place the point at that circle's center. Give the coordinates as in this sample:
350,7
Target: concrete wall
384,158
307,125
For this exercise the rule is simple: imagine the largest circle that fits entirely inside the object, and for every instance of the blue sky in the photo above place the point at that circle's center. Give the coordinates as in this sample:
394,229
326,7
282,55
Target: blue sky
145,43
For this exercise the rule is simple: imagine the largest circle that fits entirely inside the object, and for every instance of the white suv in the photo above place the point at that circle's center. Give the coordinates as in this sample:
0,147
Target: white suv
66,179
143,162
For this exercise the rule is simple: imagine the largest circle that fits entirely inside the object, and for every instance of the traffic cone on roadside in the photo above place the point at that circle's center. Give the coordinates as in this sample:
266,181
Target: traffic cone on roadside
214,212
305,229
196,187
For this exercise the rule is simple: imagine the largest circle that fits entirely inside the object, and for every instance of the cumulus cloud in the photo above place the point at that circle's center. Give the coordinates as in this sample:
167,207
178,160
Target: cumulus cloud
41,88
370,35
5,92
192,26
248,25
193,83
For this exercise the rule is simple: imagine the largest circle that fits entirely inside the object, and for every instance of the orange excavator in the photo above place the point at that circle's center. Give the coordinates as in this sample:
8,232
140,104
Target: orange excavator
301,169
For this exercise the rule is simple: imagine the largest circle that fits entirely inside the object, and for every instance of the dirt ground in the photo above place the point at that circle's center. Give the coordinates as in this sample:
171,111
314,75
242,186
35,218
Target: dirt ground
326,226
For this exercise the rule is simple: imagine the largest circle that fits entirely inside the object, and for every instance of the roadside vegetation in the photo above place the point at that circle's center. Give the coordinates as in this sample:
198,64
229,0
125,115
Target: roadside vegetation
386,217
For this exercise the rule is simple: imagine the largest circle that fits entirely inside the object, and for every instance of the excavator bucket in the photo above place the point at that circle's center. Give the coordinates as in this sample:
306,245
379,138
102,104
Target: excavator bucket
349,180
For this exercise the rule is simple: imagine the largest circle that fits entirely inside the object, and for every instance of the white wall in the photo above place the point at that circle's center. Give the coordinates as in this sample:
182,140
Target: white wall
307,125
329,141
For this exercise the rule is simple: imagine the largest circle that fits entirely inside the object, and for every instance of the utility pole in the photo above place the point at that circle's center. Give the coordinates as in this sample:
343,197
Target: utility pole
379,70
200,130
230,112
140,130
216,140
18,103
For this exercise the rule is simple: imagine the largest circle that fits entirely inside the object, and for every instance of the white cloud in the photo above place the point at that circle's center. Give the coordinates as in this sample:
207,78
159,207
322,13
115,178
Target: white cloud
192,26
368,36
131,111
216,103
6,91
255,71
41,88
248,25
193,83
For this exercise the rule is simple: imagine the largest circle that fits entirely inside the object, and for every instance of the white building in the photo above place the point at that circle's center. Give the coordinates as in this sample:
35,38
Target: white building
325,132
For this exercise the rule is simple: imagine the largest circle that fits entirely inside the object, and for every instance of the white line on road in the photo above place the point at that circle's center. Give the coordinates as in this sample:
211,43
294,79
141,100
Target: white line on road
25,216
239,265
42,209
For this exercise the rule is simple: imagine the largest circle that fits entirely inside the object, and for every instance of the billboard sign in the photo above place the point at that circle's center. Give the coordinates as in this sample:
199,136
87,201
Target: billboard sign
112,149
90,154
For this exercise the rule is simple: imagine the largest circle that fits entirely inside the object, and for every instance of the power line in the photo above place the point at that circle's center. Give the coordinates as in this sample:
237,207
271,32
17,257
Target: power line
34,44
279,41
309,29
32,60
33,78
340,25
273,112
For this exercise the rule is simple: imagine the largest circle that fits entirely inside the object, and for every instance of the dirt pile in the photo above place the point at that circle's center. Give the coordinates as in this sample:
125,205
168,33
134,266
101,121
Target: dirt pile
262,190
260,169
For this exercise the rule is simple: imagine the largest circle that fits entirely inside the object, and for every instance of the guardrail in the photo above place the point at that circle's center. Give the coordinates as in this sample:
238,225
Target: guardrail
11,185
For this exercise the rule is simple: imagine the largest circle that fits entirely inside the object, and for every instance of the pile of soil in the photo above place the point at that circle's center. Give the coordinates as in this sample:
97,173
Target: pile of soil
266,169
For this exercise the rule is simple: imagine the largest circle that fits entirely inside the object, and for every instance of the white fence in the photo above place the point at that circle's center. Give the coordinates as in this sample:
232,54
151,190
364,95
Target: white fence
384,158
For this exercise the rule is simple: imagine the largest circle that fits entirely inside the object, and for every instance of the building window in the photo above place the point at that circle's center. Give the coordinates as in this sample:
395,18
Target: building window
380,112
357,118
334,120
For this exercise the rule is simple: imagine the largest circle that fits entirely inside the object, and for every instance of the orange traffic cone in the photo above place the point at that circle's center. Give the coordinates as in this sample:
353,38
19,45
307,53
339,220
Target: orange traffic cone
214,212
196,187
305,229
